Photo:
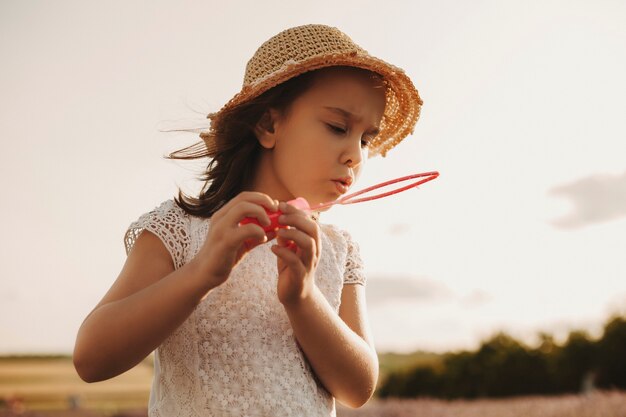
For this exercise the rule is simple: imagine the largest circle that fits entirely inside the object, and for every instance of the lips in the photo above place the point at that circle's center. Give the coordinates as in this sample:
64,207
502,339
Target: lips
343,184
347,181
341,187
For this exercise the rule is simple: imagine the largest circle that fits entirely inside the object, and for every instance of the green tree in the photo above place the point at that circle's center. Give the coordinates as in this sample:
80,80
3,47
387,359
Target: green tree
574,360
612,355
502,366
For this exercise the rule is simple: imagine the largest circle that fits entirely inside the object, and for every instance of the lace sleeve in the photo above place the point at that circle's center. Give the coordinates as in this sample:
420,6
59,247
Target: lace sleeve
167,221
354,273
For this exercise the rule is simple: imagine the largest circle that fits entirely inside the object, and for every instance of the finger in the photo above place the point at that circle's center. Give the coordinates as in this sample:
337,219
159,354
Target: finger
289,244
249,235
247,209
258,198
248,196
303,241
281,241
250,244
305,224
288,208
292,247
290,259
224,209
300,220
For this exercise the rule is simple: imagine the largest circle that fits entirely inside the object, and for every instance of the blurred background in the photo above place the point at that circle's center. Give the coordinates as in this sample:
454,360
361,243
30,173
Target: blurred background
518,244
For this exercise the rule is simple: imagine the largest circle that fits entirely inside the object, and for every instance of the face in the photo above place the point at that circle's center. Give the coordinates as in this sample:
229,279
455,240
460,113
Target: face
323,137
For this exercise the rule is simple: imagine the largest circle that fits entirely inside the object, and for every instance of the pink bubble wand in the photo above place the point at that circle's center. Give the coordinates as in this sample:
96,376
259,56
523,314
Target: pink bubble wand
302,204
349,199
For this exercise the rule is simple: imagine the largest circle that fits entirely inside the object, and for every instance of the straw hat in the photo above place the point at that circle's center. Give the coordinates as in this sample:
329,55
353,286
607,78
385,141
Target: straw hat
308,47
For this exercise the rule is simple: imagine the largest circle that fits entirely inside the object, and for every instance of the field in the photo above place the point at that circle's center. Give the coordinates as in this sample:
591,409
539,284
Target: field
49,387
389,362
597,404
51,383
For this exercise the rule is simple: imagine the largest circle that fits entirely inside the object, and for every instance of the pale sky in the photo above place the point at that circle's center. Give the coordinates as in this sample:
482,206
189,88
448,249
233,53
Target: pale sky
523,116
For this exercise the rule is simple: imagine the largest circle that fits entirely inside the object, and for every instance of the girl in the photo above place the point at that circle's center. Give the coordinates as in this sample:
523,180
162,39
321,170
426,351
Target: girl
243,326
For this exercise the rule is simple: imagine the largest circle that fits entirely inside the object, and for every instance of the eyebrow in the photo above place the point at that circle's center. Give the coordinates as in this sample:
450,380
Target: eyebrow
348,115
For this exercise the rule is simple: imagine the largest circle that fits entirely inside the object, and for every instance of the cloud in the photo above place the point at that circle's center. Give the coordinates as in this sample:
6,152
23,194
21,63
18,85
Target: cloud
397,229
597,198
388,289
381,289
475,299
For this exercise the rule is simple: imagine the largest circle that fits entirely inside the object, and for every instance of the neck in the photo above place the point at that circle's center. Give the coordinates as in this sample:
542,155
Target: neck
266,181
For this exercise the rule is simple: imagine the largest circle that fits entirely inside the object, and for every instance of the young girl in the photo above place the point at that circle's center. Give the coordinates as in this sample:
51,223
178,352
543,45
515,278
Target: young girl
242,324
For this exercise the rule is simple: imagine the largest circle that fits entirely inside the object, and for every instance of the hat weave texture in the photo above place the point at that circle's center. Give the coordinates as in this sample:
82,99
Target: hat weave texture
304,48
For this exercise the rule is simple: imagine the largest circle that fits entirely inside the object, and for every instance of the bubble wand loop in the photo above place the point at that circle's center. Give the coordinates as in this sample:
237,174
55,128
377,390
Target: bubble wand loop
348,199
302,204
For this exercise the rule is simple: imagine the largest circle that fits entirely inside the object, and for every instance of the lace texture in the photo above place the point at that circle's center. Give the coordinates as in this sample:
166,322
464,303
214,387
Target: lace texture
168,222
236,354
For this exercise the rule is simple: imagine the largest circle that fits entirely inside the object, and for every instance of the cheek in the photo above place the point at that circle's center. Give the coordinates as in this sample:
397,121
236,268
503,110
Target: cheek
358,171
294,160
312,145
307,151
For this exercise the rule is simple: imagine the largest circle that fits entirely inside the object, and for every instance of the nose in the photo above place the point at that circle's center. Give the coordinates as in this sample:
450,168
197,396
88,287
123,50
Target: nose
353,154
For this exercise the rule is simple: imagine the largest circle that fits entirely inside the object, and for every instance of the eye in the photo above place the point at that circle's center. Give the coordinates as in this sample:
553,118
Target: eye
367,139
336,129
341,131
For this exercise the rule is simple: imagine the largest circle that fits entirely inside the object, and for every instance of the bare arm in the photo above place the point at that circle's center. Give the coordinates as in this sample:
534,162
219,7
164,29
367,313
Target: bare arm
339,348
147,302
150,299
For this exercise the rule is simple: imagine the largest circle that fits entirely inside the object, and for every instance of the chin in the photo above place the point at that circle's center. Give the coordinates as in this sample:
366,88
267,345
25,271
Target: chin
324,209
330,198
317,199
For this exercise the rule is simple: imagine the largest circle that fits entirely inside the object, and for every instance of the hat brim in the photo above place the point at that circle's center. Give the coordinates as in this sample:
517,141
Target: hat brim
402,109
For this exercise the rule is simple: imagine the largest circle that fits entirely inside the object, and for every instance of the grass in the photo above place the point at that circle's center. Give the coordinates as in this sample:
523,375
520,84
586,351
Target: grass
51,383
596,404
390,362
47,386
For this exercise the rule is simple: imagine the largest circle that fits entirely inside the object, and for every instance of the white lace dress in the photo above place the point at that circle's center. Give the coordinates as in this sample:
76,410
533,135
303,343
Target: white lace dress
236,354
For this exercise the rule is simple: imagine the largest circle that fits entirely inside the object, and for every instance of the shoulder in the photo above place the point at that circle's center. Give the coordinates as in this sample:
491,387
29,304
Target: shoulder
168,208
348,253
337,235
341,241
166,215
167,221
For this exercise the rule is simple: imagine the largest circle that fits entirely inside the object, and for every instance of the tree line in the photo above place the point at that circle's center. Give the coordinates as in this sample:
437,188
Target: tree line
503,366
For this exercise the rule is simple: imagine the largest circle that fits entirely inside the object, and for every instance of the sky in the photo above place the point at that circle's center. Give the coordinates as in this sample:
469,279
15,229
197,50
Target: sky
524,231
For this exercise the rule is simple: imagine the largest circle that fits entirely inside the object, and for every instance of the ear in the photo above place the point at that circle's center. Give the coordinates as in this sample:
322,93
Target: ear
265,129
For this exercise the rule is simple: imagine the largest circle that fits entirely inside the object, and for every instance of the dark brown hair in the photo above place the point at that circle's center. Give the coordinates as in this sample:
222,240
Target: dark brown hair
234,165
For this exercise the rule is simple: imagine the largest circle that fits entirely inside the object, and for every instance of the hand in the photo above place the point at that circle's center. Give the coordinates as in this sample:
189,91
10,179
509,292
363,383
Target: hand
296,266
227,242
